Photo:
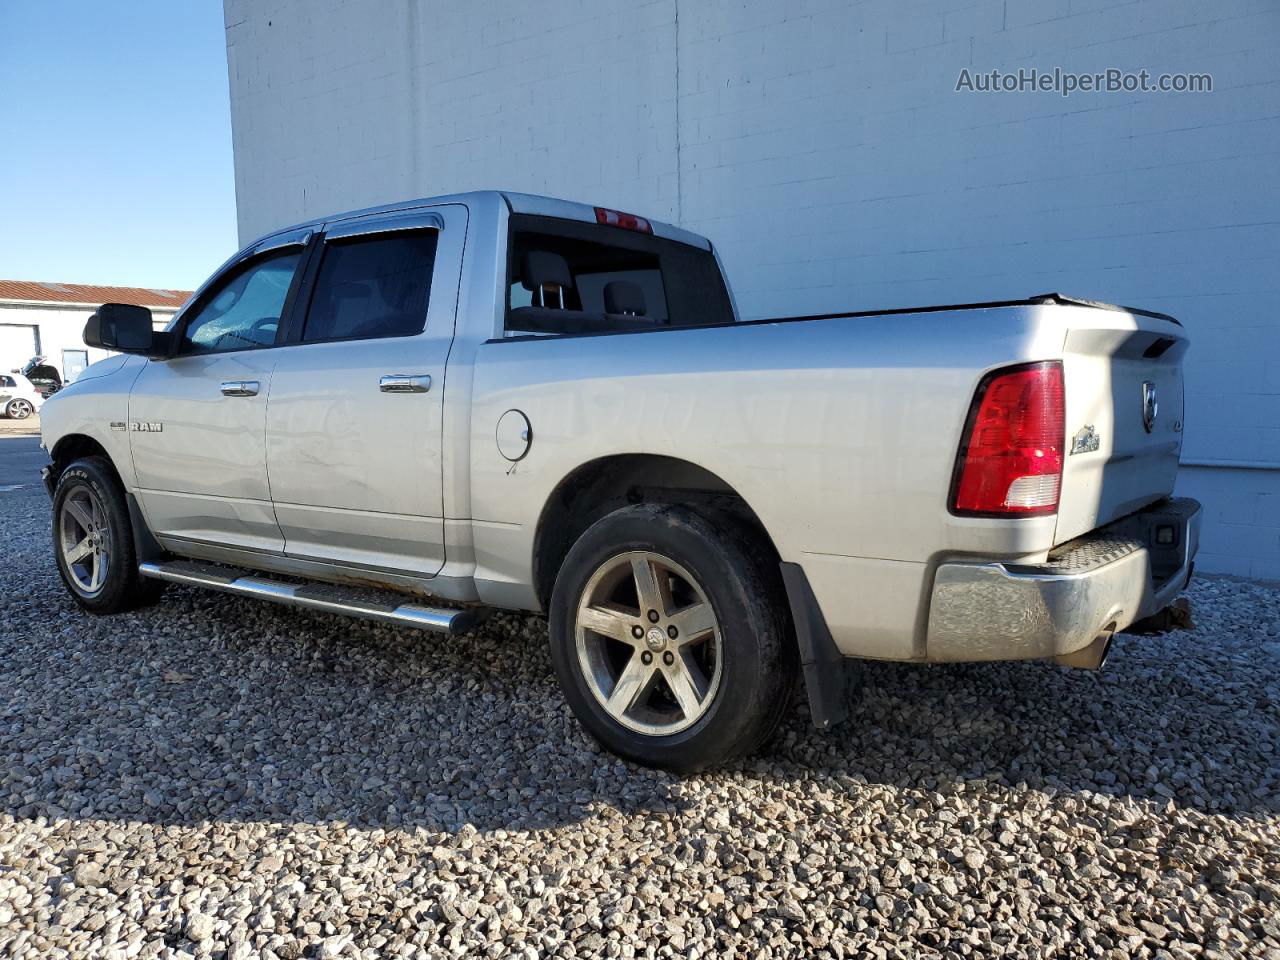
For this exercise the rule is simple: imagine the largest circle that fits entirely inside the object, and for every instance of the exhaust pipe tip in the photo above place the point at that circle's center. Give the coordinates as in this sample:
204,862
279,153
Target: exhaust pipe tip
1091,657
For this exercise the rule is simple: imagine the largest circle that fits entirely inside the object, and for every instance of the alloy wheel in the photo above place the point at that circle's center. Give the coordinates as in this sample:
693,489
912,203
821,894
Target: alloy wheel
84,539
648,643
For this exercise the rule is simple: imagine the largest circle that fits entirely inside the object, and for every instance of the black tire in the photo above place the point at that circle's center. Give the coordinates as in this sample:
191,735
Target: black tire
121,587
19,409
756,649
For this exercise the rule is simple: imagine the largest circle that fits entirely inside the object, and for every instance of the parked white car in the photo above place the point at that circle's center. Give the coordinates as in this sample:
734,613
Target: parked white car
19,398
511,401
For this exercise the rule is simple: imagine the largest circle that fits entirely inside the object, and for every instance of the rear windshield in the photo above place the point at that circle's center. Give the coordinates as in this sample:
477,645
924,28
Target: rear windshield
572,277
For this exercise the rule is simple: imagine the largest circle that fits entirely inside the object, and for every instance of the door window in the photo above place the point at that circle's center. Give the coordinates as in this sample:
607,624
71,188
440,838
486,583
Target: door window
243,311
372,286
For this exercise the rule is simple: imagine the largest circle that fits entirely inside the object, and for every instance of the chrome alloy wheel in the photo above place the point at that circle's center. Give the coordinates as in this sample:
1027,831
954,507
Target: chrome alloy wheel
20,409
84,539
648,643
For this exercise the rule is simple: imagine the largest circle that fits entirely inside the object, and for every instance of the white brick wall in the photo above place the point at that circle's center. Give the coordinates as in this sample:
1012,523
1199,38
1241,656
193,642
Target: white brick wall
821,146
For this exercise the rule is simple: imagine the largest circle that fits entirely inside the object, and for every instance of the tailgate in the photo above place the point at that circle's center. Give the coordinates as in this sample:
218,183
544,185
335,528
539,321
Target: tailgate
1123,378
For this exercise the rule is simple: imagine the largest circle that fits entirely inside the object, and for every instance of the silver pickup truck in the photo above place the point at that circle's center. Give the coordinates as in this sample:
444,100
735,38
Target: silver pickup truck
507,401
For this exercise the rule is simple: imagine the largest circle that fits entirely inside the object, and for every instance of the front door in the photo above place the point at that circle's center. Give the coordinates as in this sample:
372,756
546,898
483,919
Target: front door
354,421
197,421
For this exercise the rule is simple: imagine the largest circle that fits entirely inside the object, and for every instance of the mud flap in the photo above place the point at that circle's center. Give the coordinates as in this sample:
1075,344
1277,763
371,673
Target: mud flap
145,547
826,670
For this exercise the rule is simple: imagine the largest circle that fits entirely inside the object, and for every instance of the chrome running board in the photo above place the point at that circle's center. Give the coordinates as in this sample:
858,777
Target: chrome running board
314,596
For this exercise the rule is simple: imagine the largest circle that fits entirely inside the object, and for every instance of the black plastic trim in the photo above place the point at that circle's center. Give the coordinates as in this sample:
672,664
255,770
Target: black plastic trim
146,548
896,311
825,667
295,301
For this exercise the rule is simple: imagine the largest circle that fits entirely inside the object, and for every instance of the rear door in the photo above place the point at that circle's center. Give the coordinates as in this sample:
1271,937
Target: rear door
1124,412
197,420
354,420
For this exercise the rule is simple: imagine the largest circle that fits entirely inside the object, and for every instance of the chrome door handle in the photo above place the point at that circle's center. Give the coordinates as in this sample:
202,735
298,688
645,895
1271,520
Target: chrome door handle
405,383
240,388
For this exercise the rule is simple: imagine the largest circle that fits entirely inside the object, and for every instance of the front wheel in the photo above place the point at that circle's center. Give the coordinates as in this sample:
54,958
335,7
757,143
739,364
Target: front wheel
670,638
93,540
19,409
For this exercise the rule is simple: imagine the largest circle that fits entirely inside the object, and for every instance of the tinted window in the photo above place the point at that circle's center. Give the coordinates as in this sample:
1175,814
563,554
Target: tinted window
656,282
7,382
649,282
373,286
243,311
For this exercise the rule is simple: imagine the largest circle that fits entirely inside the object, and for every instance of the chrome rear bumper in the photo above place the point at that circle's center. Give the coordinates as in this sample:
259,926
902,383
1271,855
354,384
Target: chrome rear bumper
1086,591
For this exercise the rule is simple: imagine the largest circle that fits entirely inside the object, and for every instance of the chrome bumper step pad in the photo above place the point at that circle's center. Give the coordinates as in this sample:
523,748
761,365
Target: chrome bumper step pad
381,606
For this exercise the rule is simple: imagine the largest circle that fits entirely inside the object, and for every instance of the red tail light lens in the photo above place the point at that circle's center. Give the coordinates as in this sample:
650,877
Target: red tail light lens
1010,461
627,221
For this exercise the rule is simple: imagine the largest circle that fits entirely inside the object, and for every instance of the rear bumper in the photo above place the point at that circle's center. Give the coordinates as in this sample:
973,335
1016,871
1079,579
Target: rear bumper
1086,591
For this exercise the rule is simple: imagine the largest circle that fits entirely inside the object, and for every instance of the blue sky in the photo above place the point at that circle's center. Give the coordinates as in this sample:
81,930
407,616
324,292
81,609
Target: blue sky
115,165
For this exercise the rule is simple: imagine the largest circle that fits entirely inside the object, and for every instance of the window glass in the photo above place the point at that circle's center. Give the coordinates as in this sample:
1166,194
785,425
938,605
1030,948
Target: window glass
244,311
570,277
372,286
7,382
649,282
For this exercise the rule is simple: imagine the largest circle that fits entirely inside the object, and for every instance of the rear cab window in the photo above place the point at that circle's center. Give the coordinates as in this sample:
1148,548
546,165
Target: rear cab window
567,277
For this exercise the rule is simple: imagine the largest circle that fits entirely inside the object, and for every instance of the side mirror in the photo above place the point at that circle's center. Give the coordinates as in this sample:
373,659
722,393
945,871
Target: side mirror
123,327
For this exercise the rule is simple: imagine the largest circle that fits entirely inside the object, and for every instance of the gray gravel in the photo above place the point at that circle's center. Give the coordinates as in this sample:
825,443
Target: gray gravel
222,778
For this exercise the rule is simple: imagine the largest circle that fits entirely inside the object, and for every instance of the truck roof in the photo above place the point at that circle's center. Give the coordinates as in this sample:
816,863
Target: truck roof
525,203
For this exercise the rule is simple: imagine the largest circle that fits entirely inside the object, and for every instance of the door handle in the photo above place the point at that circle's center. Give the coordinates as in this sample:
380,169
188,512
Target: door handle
240,388
405,383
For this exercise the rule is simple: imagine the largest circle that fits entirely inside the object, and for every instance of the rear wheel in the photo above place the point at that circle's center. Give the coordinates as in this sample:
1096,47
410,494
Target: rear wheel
19,409
93,540
669,637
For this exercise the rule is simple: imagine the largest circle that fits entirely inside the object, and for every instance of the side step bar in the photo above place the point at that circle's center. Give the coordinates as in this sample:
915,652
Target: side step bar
330,599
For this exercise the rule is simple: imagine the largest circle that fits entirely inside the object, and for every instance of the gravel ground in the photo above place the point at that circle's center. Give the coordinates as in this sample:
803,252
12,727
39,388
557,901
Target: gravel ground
222,778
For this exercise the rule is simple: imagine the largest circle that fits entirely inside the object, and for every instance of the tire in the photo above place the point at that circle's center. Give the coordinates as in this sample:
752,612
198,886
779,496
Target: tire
735,677
93,540
19,409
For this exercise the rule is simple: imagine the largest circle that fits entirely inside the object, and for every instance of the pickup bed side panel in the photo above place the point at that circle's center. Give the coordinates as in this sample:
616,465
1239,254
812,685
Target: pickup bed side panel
842,447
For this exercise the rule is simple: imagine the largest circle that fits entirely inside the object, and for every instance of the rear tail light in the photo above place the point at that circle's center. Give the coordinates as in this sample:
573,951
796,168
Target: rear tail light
1010,461
627,221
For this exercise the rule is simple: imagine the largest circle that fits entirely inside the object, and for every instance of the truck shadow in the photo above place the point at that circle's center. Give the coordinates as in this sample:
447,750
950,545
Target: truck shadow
210,708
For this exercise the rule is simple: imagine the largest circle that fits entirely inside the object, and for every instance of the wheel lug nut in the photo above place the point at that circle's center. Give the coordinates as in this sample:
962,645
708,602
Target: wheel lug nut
653,616
672,632
637,631
668,658
646,658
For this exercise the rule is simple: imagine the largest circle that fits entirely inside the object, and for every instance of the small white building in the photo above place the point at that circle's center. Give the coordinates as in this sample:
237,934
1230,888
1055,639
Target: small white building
47,320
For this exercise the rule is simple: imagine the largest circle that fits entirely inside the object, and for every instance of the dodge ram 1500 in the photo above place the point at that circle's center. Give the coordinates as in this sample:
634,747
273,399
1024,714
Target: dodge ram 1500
507,401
